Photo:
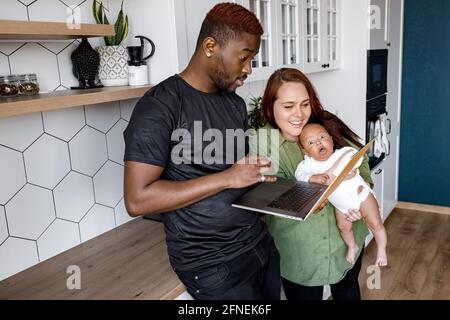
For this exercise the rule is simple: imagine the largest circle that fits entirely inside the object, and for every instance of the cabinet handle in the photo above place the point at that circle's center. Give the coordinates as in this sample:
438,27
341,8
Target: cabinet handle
379,171
389,126
389,149
388,44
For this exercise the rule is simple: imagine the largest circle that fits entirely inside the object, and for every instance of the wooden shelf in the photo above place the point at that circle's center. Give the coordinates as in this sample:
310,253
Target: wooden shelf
67,99
39,30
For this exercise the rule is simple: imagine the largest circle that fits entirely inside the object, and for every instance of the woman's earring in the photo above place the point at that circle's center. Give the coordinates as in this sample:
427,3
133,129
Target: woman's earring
208,54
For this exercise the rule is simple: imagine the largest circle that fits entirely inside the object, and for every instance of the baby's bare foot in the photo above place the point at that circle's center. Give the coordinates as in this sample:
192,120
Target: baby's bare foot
381,258
351,254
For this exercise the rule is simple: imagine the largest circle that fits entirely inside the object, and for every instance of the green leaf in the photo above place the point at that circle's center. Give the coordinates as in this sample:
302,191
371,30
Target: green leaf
119,27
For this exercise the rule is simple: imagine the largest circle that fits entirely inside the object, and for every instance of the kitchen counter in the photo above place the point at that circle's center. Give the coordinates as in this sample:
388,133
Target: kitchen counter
128,262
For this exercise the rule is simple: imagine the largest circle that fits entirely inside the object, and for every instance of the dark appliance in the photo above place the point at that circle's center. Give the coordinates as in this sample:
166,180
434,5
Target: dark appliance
377,65
377,71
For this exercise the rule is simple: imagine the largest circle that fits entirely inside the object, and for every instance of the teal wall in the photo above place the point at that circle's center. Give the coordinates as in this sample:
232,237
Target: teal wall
425,119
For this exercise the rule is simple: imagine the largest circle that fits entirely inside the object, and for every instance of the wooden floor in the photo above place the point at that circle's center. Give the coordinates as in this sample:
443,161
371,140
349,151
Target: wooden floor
418,256
128,262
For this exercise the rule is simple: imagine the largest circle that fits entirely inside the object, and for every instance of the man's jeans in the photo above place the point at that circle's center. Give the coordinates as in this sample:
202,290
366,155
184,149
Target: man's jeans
253,275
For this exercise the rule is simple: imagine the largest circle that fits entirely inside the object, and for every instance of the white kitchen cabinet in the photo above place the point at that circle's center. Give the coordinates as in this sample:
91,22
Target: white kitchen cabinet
321,35
378,182
379,24
378,176
266,61
395,22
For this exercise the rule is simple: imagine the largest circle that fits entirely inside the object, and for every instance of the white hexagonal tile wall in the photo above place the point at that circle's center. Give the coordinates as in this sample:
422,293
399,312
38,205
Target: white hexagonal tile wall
88,151
127,107
9,47
99,220
3,227
24,61
115,141
20,131
57,47
85,9
17,255
121,213
64,123
59,237
74,196
108,184
30,212
47,161
12,173
48,10
68,79
16,10
4,65
102,116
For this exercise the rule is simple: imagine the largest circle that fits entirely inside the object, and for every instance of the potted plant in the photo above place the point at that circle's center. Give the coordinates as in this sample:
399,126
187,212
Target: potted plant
113,70
256,119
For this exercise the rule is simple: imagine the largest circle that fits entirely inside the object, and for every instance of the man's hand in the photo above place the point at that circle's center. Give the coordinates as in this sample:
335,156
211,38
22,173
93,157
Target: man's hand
319,178
248,171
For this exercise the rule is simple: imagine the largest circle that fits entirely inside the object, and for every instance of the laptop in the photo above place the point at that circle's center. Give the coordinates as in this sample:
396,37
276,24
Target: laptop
294,199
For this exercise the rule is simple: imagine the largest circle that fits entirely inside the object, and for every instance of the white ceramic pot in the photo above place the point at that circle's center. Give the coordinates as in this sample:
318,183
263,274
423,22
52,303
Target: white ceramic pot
113,69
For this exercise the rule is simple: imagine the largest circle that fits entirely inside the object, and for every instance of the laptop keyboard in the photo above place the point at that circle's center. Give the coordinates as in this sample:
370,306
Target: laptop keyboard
294,199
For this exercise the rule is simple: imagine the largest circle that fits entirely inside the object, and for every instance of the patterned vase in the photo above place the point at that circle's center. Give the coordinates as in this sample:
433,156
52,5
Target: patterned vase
113,69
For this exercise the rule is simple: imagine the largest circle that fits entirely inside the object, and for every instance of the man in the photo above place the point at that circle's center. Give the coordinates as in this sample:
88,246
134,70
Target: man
218,251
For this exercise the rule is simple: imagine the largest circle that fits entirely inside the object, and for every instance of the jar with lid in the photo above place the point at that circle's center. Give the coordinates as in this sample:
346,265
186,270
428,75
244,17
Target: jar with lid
28,84
8,86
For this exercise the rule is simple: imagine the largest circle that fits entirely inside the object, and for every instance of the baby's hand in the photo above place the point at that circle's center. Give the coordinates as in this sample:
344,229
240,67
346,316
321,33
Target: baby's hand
319,178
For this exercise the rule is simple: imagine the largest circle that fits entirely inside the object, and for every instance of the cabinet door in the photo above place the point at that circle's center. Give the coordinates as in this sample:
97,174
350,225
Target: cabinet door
390,183
290,33
321,23
264,62
378,180
189,15
379,24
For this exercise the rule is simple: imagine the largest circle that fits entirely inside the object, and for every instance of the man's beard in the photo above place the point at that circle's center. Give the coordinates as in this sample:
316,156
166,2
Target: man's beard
221,77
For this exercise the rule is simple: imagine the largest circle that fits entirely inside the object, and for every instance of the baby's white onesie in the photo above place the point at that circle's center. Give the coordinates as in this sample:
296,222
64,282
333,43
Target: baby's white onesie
346,196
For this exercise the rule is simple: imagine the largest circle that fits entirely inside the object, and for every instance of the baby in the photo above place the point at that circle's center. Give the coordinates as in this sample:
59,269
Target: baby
322,163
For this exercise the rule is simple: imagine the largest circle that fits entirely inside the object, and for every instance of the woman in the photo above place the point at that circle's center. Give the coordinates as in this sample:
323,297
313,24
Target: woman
312,252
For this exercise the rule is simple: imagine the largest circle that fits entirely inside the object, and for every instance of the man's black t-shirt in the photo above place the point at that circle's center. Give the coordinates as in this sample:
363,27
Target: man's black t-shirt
184,130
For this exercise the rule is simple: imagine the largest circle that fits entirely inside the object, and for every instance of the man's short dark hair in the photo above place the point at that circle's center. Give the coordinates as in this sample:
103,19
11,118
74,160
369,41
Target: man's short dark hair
226,21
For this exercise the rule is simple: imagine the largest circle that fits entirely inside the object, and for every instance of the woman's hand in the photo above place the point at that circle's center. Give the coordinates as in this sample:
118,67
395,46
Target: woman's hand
350,175
353,215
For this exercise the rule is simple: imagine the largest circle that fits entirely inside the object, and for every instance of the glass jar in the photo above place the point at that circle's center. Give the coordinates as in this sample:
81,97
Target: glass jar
8,86
28,84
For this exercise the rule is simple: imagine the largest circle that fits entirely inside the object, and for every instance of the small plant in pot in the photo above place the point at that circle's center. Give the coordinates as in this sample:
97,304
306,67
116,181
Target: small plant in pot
113,70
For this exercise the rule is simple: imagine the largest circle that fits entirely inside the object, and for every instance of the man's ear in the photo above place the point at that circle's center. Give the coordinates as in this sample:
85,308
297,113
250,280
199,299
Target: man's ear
208,46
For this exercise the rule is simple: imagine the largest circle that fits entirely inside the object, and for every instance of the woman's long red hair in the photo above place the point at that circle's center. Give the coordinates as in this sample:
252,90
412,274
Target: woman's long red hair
340,132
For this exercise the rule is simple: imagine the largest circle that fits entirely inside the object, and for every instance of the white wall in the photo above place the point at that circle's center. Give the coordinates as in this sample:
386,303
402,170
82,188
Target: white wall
154,19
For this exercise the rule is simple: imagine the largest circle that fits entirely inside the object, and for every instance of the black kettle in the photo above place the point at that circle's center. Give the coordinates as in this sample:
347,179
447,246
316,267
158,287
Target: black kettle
136,53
